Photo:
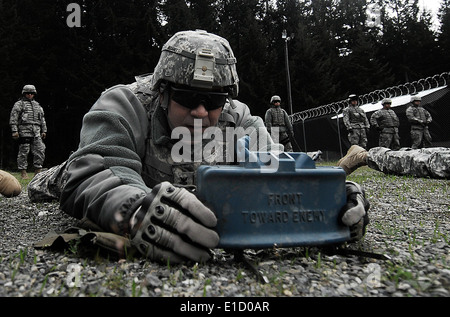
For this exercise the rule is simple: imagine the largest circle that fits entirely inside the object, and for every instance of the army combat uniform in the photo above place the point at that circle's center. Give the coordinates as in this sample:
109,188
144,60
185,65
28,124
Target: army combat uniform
124,177
278,117
427,162
387,122
27,118
419,118
357,124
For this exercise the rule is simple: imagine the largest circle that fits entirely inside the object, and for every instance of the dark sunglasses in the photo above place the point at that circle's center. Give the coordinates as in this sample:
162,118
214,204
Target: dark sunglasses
193,98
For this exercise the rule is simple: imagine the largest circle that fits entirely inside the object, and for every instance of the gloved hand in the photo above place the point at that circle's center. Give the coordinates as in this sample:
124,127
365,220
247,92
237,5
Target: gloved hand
354,213
172,224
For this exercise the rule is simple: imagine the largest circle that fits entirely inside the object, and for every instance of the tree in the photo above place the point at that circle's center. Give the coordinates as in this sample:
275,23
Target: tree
444,35
407,40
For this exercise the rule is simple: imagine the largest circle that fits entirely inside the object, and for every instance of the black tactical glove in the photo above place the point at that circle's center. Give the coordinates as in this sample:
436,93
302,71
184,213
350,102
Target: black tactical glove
354,213
173,225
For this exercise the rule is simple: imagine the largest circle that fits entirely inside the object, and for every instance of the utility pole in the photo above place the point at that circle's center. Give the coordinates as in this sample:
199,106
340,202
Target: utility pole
288,76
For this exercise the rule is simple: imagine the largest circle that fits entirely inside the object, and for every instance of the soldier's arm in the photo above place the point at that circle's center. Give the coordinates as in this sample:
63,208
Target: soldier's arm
411,117
288,123
43,122
104,182
374,119
366,121
268,120
428,116
14,118
346,118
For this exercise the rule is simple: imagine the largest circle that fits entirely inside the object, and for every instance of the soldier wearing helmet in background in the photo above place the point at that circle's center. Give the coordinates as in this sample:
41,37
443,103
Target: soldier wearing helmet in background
419,119
27,122
125,179
278,117
387,123
356,122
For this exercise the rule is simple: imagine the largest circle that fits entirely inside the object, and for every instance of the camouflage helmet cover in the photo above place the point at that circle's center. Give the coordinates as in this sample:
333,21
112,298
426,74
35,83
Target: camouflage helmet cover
29,89
416,98
197,59
275,98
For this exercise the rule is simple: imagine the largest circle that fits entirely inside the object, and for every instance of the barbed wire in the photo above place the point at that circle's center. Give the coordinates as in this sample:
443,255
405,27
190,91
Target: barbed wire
412,88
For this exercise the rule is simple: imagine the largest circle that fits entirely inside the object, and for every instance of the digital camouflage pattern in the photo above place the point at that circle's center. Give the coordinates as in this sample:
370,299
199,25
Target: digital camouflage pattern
357,124
387,122
48,185
28,119
427,162
419,118
278,117
197,59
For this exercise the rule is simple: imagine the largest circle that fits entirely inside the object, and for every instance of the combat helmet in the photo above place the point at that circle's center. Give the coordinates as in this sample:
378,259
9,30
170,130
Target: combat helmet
275,98
416,98
386,100
29,89
352,97
197,59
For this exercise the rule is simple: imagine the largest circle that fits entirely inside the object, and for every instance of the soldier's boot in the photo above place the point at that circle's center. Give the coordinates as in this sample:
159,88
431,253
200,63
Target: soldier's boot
355,157
9,185
23,174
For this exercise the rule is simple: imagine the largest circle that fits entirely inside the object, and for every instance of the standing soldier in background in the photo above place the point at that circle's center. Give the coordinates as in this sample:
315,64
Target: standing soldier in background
356,122
278,117
386,121
419,119
28,125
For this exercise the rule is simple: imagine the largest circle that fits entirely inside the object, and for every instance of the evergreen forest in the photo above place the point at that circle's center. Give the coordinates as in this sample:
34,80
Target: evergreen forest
335,48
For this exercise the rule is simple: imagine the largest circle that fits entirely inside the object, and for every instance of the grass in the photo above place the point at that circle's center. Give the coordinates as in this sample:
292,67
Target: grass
389,196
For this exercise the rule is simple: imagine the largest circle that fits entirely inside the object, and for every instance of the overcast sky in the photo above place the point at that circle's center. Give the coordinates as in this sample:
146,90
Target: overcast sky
433,6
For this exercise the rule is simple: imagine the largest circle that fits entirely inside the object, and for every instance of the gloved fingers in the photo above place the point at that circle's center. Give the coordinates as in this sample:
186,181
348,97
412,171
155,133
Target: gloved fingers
354,211
190,203
156,253
185,225
357,230
171,241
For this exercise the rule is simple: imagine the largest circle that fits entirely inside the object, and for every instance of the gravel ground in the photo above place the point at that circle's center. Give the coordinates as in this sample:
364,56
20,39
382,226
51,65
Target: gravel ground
409,223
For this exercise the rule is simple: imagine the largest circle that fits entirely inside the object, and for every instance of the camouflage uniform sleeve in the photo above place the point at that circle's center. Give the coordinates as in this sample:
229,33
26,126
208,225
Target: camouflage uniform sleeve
366,121
346,118
374,119
288,123
411,116
428,116
14,118
268,120
104,182
43,122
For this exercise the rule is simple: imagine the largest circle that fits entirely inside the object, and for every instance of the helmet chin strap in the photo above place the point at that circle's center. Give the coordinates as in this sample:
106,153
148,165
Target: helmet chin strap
164,91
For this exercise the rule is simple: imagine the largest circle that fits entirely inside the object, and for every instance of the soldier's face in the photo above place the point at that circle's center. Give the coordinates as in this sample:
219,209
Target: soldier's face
179,116
29,96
